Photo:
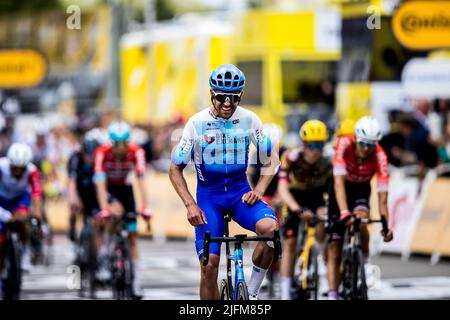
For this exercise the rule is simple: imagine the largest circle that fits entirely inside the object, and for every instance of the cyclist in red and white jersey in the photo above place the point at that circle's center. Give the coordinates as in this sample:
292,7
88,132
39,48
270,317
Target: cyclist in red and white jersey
356,160
113,169
20,191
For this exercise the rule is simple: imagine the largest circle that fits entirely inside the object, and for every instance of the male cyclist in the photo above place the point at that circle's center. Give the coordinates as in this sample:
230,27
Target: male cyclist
218,139
112,177
305,175
356,160
81,191
20,189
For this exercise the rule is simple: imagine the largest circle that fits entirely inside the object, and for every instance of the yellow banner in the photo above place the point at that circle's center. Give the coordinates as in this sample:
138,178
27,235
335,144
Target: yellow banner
423,24
353,100
21,68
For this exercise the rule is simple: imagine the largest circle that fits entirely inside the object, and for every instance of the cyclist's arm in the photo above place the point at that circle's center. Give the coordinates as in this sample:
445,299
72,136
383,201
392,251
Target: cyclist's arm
383,204
102,193
100,180
72,192
286,196
36,193
340,172
180,158
265,156
140,172
341,194
180,185
284,183
143,192
382,170
263,183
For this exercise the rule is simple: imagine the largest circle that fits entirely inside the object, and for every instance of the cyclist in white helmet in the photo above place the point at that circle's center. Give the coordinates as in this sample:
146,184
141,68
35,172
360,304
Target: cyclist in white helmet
20,189
357,159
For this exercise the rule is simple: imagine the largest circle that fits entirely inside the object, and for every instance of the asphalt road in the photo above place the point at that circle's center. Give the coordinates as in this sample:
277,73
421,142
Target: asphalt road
170,270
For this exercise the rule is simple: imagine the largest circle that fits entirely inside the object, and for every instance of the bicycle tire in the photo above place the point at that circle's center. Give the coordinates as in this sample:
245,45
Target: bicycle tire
346,275
313,274
88,262
116,267
13,280
356,264
362,289
223,290
242,291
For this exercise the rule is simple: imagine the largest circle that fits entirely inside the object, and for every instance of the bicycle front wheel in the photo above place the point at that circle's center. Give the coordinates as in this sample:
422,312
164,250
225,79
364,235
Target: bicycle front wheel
242,291
313,273
362,288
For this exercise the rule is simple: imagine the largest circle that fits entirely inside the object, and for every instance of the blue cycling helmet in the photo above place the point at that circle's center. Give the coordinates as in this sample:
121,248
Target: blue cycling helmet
119,131
227,78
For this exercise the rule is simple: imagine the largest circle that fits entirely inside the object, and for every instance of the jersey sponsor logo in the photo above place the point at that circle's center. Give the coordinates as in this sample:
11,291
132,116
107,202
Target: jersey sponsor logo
235,121
208,139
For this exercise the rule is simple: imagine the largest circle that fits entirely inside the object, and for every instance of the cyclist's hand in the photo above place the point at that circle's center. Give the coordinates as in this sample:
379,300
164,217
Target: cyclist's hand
146,214
103,215
195,215
252,197
347,217
387,237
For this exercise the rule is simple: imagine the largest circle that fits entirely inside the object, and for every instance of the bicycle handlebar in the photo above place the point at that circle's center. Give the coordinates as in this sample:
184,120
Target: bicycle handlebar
382,220
241,238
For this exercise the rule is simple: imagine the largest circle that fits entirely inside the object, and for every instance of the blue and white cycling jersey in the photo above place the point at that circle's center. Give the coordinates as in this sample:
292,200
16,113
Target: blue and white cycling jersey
219,148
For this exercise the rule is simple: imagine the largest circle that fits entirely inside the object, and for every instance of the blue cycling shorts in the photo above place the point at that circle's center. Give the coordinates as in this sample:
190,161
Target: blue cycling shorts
22,201
216,205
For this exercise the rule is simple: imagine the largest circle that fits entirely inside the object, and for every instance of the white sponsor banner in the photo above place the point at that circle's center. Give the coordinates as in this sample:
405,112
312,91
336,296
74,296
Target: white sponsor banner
405,205
387,96
428,78
327,30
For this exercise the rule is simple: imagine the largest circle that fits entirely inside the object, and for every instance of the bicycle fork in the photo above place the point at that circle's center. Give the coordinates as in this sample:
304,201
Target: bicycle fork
239,266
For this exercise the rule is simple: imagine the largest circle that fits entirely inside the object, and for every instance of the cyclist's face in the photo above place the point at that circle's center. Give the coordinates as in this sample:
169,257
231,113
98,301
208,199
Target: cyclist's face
313,151
364,150
120,149
225,103
17,172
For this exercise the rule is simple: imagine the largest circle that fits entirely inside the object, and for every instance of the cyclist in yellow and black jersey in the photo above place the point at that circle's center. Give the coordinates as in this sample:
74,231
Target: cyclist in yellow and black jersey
304,176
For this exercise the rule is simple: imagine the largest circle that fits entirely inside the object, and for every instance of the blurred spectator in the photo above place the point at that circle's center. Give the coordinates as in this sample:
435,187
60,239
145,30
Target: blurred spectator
394,139
429,119
416,148
444,149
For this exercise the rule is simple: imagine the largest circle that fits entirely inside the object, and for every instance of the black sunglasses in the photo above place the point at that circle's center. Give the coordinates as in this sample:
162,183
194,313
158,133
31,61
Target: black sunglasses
18,169
367,145
315,145
227,97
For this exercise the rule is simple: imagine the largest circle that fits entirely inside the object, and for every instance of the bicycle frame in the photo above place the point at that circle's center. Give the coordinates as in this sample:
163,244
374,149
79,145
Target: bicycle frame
237,256
238,267
352,245
310,235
